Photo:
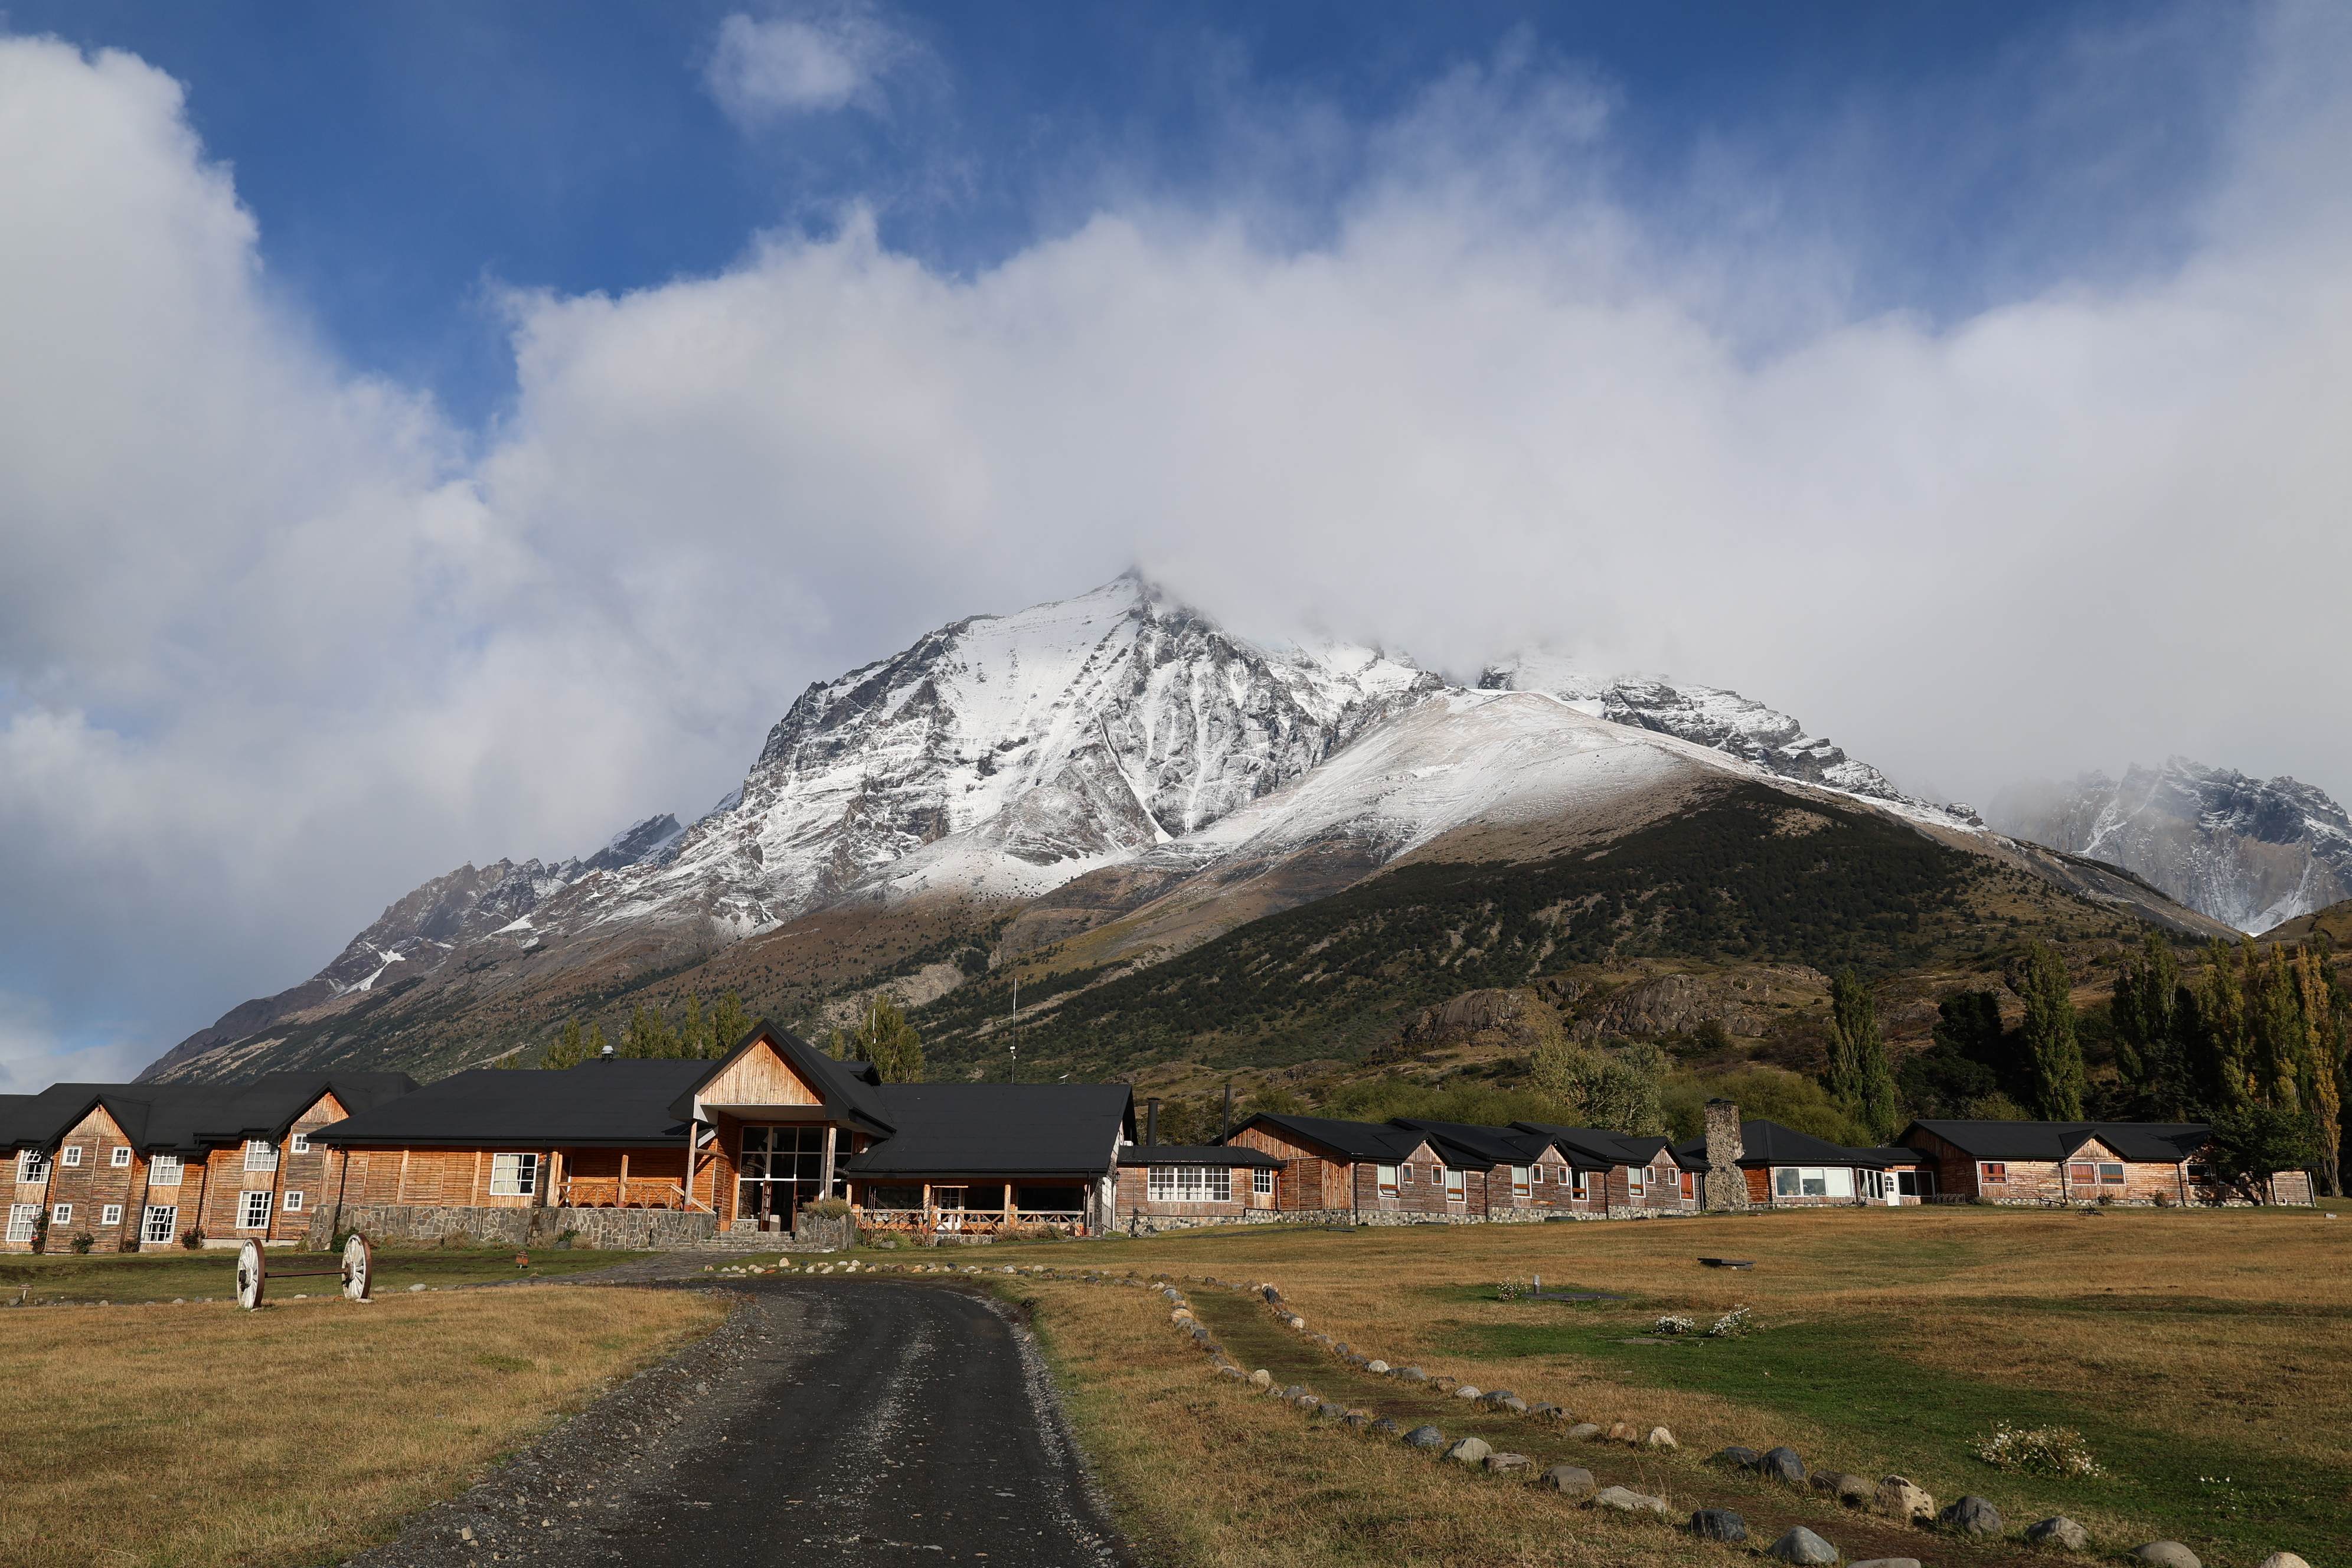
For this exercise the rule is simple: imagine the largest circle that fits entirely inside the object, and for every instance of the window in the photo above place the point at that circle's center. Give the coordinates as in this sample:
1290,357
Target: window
2111,1172
294,1201
32,1165
1812,1182
1540,1175
1404,1175
1576,1185
163,1170
62,1214
299,1144
1522,1182
1690,1186
514,1175
160,1222
1873,1184
2199,1171
260,1154
1788,1181
1262,1183
110,1214
1456,1189
1636,1178
1192,1183
119,1157
2083,1171
253,1210
23,1219
1387,1175
1992,1173
73,1154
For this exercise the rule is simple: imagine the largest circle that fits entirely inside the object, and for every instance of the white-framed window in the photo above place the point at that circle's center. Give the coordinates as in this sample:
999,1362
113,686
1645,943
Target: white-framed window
33,1166
62,1214
73,1154
1387,1177
1262,1183
260,1154
23,1220
1456,1187
1404,1175
299,1144
119,1156
514,1175
1190,1183
110,1214
1812,1180
1874,1186
1637,1179
160,1223
1992,1173
294,1201
1522,1181
252,1209
2110,1172
163,1170
1576,1187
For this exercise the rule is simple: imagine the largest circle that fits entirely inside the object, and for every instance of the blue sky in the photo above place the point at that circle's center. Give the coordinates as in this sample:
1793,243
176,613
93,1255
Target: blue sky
405,161
433,433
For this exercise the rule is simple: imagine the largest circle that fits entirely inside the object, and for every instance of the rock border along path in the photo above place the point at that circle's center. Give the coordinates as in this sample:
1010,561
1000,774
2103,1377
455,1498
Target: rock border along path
1968,1527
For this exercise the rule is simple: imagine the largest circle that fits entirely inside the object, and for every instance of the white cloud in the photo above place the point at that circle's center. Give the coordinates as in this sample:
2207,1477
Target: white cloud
277,642
811,59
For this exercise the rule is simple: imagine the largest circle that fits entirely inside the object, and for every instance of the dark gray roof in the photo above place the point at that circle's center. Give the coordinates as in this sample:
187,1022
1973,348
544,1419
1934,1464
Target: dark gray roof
621,1103
188,1118
1766,1143
998,1130
1197,1154
847,1089
1473,1147
2164,1143
1380,1143
1604,1147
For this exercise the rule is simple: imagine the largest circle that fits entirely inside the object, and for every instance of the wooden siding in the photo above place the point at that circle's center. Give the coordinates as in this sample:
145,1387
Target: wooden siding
1309,1178
758,1076
1135,1197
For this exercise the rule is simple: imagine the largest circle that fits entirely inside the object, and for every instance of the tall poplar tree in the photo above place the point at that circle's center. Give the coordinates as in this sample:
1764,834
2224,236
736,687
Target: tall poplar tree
1858,1073
2053,1055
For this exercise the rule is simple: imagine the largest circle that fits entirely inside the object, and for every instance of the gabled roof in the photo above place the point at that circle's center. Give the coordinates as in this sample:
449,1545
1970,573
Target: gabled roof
848,1089
2161,1142
613,1104
1604,1147
1473,1147
1197,1154
948,1130
1382,1142
187,1118
1766,1143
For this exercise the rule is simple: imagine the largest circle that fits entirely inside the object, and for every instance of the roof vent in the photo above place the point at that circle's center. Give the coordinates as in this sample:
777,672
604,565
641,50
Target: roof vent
606,1054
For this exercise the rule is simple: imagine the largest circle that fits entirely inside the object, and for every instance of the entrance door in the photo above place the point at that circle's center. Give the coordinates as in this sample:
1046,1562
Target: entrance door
783,1168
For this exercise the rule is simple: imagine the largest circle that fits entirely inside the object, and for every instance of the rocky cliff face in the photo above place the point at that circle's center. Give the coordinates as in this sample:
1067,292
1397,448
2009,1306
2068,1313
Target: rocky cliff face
2251,853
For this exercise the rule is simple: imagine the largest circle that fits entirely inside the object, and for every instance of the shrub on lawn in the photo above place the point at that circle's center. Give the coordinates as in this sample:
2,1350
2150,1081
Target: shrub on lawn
1736,1324
194,1238
83,1241
1670,1325
2038,1451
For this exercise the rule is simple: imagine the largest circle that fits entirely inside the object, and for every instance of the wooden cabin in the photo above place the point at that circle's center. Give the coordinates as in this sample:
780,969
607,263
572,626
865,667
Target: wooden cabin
1171,1186
751,1140
133,1165
1529,1172
2054,1162
1783,1168
1627,1176
1373,1172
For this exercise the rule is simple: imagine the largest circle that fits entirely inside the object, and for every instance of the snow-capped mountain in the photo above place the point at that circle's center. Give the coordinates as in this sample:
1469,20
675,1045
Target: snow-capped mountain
2251,853
1707,716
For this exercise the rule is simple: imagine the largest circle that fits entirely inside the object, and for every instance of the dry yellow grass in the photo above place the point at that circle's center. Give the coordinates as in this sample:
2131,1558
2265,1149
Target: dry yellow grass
199,1435
1200,1472
2171,1338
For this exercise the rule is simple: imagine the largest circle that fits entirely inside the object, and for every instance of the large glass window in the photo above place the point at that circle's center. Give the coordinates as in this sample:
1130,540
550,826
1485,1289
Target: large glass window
783,1167
514,1175
1192,1183
260,1154
23,1220
163,1170
161,1223
1262,1183
253,1210
32,1165
1387,1175
1455,1188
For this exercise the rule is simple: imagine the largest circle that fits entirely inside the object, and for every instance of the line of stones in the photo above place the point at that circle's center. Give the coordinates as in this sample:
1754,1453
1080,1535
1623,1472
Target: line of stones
1894,1496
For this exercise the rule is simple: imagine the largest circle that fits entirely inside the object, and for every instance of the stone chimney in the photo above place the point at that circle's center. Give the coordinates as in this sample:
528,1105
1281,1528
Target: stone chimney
1726,1184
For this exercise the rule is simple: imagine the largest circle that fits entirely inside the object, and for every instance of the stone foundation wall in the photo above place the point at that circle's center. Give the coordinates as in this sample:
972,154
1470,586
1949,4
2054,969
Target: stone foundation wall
605,1229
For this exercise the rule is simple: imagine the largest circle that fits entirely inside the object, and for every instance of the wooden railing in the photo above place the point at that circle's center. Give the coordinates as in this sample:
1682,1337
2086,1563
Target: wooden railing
612,1192
969,1222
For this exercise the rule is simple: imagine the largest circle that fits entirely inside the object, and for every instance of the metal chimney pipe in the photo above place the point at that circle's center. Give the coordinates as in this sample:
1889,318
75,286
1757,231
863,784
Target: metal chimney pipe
1225,1127
1152,1121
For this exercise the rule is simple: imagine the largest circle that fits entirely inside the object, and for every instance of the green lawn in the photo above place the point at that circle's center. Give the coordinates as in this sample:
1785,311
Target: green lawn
183,1275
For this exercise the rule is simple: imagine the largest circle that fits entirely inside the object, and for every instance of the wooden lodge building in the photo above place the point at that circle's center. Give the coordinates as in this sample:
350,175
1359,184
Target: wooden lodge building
748,1143
149,1165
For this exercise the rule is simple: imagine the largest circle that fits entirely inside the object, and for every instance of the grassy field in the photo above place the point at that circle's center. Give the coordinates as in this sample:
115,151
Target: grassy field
197,1436
2206,1358
163,1275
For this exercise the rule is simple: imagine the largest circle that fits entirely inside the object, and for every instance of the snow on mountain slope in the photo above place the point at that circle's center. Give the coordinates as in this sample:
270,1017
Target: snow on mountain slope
1708,716
1004,754
2251,853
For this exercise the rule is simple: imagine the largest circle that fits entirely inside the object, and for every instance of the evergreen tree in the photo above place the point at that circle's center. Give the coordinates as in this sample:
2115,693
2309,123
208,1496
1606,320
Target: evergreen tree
1858,1076
597,1044
2320,1062
2217,1065
728,1024
693,1030
2251,1141
883,1038
2053,1055
569,1049
648,1034
2155,1019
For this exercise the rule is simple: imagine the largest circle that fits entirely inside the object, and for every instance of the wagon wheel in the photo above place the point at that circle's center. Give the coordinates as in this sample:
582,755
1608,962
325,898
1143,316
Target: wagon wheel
251,1274
359,1267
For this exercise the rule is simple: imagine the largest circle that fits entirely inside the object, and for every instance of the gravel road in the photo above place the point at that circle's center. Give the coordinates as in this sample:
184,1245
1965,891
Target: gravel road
833,1421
